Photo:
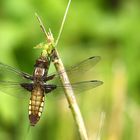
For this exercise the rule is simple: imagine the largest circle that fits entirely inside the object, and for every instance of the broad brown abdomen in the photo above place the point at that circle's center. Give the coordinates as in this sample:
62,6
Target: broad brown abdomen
36,105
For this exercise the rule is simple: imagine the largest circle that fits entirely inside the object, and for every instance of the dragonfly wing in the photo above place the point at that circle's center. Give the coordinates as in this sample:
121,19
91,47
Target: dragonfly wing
9,73
82,86
14,89
84,66
78,87
76,72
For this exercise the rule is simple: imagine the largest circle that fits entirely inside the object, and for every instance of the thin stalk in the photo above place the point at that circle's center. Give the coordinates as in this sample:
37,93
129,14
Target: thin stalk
48,35
41,25
62,24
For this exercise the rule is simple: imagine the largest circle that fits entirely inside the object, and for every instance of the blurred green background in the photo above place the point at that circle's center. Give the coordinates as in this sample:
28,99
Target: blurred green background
108,28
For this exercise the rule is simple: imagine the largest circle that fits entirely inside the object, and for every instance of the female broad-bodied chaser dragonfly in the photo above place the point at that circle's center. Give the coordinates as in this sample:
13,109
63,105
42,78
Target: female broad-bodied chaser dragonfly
38,84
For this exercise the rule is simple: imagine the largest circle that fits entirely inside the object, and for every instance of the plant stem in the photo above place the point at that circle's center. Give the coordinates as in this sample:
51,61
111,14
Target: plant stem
71,98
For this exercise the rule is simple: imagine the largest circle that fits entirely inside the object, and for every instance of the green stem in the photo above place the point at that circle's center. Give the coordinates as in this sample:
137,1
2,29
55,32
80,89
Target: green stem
62,24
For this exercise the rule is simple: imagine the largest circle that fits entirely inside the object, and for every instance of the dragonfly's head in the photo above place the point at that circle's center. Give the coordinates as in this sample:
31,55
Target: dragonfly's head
42,63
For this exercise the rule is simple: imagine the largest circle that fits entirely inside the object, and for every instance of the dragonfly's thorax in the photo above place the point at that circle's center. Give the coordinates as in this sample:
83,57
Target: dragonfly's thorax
39,72
41,67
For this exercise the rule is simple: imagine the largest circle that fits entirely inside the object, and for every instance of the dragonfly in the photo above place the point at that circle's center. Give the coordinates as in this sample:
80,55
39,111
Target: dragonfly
38,85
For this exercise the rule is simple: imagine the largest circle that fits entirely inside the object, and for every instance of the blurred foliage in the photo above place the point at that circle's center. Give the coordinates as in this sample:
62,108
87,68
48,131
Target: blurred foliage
108,28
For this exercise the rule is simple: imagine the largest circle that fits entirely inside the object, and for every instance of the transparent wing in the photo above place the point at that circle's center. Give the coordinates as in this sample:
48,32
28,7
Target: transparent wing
77,87
8,75
14,89
12,74
82,86
77,72
76,75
